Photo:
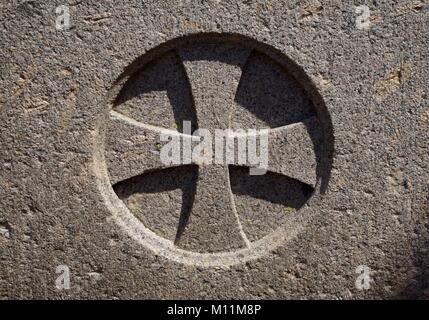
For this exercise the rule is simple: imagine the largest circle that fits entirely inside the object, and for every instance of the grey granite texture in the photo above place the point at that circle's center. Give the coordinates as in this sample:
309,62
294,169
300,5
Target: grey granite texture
82,184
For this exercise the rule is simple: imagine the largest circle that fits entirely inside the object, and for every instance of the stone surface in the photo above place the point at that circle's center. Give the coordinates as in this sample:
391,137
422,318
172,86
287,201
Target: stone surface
82,184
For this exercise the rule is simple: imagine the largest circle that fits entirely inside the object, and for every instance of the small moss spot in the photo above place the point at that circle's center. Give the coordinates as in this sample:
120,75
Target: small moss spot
158,146
135,211
289,210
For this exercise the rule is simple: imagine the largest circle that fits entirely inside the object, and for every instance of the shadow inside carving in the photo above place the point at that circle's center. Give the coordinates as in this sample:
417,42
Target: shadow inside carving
271,187
159,94
273,96
161,199
265,202
228,53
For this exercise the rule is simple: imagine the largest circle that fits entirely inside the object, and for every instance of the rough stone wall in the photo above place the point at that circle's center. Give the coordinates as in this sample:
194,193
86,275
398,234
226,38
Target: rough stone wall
88,210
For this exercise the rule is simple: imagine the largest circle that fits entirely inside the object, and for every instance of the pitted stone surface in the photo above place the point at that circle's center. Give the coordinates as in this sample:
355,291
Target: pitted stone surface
63,149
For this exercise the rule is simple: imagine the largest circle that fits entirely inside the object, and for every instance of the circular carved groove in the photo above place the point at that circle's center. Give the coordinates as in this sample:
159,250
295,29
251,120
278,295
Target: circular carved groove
213,215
